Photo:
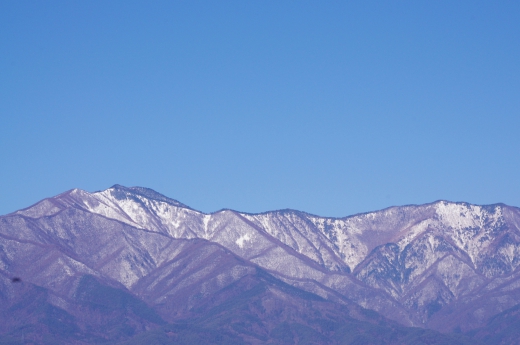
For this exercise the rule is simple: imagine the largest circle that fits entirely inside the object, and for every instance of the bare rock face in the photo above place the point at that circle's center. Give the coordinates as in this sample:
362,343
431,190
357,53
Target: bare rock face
448,267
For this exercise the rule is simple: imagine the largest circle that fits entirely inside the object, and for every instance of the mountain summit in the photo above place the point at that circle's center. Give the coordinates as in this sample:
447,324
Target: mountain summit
127,264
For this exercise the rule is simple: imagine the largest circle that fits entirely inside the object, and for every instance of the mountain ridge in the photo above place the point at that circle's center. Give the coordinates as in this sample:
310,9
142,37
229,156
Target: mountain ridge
418,265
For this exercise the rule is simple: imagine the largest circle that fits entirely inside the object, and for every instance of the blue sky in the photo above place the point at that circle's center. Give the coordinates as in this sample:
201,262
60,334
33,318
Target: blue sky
333,108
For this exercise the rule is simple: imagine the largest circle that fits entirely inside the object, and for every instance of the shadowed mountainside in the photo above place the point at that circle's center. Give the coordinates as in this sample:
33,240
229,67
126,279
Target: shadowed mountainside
127,263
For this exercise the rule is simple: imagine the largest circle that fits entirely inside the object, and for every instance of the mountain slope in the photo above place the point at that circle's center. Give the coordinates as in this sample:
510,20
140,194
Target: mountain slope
445,266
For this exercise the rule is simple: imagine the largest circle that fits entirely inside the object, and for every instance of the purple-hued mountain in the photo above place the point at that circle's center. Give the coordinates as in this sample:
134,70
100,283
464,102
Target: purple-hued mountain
131,265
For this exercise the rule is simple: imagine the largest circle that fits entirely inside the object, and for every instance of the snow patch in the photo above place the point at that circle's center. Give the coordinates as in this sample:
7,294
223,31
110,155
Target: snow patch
244,238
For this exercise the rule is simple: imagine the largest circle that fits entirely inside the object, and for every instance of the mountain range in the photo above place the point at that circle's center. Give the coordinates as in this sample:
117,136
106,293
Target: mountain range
131,266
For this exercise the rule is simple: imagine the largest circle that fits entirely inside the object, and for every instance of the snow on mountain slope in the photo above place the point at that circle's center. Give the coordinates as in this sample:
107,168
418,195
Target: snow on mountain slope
415,264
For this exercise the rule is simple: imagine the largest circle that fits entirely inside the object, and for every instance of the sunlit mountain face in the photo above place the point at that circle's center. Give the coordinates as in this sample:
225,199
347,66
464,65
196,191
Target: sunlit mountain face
129,265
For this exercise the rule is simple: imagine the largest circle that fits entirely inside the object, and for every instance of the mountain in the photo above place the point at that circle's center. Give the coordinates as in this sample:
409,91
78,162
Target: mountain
129,264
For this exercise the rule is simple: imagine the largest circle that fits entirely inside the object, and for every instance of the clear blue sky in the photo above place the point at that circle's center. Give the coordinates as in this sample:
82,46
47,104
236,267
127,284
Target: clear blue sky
333,108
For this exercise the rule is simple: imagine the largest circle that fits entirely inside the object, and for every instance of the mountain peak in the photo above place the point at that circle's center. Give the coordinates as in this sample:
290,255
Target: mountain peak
434,265
123,192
